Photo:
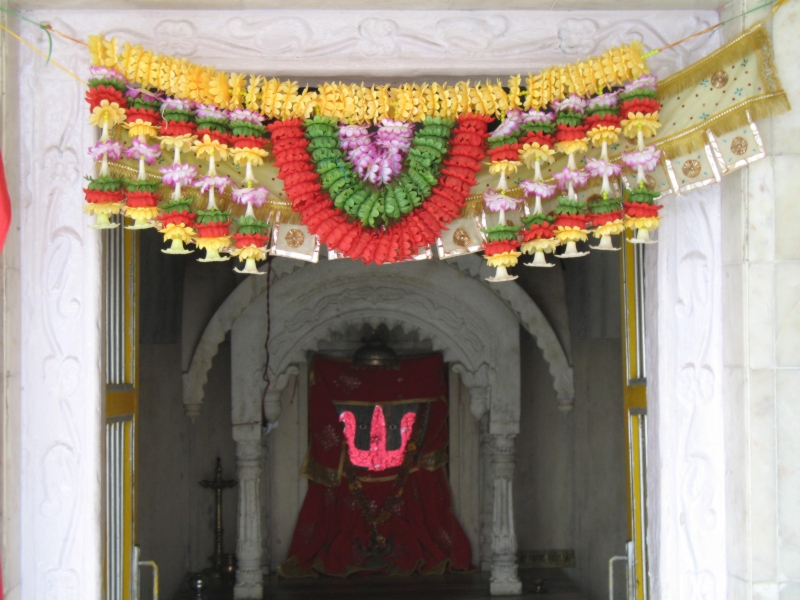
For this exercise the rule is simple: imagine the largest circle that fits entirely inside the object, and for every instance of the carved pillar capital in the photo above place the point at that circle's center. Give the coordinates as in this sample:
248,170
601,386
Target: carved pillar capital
478,382
249,577
278,383
504,581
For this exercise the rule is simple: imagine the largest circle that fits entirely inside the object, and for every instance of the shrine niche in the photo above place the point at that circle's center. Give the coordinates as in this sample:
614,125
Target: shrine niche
378,497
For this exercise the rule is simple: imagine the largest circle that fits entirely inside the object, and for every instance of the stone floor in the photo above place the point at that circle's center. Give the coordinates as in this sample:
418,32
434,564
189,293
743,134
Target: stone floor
447,587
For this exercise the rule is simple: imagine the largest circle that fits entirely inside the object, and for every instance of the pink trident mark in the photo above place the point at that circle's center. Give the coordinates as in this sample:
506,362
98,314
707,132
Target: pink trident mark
377,458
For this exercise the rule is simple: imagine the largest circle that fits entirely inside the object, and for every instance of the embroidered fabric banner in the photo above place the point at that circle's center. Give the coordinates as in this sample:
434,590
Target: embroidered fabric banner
378,497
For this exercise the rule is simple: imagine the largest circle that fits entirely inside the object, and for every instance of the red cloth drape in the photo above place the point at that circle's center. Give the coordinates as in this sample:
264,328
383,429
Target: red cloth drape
332,536
5,221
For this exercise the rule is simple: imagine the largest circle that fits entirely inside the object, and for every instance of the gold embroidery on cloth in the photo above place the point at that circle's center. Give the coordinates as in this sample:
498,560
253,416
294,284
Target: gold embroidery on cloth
739,145
691,168
461,238
294,238
719,79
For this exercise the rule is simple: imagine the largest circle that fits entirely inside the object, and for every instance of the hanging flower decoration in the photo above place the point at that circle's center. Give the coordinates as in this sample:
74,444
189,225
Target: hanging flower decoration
603,121
178,119
501,249
176,220
380,171
571,219
252,235
640,108
539,238
212,228
250,240
104,195
327,207
143,121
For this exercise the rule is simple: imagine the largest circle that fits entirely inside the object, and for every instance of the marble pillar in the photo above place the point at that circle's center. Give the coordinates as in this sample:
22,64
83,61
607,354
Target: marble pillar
504,581
249,575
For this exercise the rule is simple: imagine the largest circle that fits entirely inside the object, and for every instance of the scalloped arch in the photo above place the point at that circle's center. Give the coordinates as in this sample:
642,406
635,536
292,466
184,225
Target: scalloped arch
432,282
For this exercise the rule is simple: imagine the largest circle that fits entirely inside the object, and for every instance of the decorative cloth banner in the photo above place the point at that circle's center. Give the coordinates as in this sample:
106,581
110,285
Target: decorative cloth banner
383,173
378,498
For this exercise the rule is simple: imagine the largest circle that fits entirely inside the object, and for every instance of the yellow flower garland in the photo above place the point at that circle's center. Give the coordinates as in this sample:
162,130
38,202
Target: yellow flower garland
277,99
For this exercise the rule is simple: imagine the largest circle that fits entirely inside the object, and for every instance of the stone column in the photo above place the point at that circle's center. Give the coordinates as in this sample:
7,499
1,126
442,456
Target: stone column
249,576
487,494
504,581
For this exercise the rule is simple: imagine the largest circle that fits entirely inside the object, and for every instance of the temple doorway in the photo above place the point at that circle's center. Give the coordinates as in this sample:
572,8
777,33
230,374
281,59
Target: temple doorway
536,451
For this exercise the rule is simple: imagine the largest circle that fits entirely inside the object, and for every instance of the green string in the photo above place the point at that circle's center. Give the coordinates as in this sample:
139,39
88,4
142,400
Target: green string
759,7
722,23
39,25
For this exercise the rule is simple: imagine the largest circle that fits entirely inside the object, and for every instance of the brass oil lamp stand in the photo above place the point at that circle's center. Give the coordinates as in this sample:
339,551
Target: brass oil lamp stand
224,564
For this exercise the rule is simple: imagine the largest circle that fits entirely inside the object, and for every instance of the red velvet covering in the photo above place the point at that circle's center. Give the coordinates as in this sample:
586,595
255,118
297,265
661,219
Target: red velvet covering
332,536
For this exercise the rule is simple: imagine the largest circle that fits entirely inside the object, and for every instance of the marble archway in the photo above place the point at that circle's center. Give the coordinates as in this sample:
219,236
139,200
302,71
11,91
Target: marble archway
475,329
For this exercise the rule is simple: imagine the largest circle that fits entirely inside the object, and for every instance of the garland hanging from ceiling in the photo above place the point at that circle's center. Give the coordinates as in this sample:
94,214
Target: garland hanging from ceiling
380,173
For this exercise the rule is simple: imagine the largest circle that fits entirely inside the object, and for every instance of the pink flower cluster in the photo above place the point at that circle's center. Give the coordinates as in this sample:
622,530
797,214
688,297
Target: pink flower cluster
537,188
182,174
111,148
538,116
574,103
176,104
105,73
497,201
377,157
608,100
601,168
511,124
254,196
647,158
140,150
205,183
248,116
207,111
643,82
567,176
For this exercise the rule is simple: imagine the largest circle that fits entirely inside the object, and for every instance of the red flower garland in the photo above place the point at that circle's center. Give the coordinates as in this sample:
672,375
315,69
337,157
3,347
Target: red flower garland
400,240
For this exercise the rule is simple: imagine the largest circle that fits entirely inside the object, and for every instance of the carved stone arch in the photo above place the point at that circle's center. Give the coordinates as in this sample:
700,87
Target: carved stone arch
462,318
522,306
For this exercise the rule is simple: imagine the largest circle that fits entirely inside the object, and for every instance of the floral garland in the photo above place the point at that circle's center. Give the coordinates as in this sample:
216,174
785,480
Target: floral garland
322,188
358,104
378,197
632,110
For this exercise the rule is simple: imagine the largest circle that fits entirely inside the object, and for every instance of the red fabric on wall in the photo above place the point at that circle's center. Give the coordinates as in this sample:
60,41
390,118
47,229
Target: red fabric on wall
422,535
5,222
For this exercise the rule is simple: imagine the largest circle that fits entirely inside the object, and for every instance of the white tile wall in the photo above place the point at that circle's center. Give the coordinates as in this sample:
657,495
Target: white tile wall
787,314
761,211
787,207
761,315
787,400
763,475
767,279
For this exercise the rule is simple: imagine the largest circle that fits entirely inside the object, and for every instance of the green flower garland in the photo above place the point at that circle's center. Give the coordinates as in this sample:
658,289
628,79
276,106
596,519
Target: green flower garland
378,206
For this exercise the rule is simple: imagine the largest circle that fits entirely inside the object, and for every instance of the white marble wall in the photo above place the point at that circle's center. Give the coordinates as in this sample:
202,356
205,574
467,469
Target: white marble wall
761,312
